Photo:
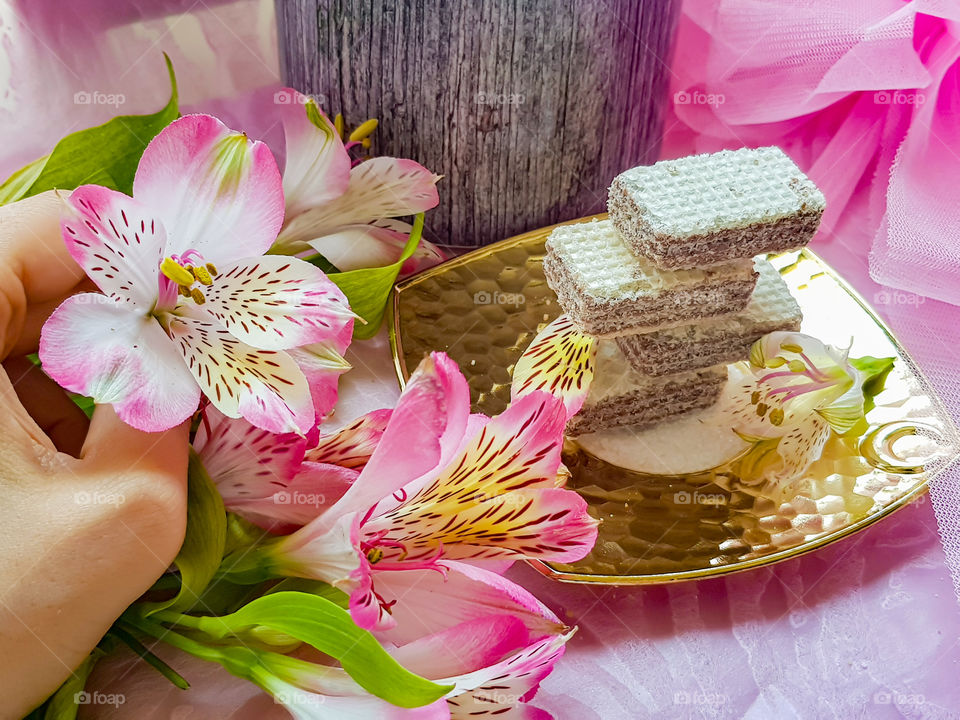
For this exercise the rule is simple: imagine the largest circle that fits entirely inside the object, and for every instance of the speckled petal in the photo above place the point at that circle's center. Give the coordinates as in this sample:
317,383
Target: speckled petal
266,387
276,303
560,360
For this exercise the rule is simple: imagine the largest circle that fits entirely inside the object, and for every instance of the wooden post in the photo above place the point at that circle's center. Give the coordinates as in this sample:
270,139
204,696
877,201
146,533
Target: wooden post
528,108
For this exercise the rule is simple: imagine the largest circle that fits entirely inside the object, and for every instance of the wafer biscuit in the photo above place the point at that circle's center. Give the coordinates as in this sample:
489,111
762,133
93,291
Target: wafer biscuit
716,340
620,395
608,291
707,209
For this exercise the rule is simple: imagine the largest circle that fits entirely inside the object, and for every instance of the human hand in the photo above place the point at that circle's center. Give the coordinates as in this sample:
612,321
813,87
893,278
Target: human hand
88,518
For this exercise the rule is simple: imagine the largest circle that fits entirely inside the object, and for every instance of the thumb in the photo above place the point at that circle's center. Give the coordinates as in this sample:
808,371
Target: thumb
112,444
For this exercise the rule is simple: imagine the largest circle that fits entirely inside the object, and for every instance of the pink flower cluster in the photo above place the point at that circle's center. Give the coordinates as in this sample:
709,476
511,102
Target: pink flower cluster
208,311
414,512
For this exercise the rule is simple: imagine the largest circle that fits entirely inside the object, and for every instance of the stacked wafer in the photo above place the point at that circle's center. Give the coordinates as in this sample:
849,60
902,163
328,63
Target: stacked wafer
676,283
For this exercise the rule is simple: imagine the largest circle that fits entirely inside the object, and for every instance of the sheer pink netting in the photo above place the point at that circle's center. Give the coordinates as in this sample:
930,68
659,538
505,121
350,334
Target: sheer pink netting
865,96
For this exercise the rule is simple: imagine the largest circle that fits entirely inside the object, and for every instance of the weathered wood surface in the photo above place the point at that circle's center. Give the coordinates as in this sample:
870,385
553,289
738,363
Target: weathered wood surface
527,107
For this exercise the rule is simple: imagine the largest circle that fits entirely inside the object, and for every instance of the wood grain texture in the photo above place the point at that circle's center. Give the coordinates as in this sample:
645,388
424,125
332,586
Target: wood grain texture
528,108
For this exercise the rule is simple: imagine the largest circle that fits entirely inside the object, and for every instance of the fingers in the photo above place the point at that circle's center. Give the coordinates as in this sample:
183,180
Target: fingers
56,415
32,244
112,444
35,267
36,315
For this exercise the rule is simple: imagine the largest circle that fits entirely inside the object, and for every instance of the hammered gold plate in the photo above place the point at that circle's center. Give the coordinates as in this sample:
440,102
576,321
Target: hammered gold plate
485,307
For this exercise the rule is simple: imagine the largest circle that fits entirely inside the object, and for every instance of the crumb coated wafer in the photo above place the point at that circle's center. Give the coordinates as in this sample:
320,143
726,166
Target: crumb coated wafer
723,339
608,291
706,209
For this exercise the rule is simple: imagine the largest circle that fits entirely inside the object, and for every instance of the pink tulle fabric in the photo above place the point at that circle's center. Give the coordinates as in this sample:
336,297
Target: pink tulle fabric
865,96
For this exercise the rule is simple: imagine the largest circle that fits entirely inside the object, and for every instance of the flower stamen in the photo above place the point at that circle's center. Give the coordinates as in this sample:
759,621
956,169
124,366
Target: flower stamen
181,273
176,272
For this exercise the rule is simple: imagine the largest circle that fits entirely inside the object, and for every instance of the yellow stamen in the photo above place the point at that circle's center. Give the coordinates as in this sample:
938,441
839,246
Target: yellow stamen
776,416
374,555
762,409
776,362
202,275
197,296
212,269
796,366
363,130
183,291
790,347
366,143
176,272
338,124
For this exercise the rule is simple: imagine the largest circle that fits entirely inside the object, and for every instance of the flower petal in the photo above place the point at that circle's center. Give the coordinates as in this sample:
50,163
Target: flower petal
847,410
322,365
327,554
117,241
276,302
801,446
246,462
497,498
216,191
352,446
354,247
305,705
549,524
119,356
263,386
424,431
560,360
317,168
507,685
292,505
464,648
381,187
427,601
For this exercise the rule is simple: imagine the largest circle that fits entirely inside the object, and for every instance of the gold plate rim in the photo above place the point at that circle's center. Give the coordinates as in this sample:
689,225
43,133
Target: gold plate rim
567,576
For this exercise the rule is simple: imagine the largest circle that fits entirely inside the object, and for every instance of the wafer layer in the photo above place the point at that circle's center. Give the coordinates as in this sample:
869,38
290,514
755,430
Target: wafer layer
608,291
620,395
716,340
707,209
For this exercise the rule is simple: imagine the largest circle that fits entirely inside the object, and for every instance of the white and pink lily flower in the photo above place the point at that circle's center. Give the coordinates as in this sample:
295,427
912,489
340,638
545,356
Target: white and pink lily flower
343,210
795,390
190,303
494,663
441,486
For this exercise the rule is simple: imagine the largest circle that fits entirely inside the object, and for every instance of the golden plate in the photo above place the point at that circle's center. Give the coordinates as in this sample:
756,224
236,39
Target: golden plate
485,307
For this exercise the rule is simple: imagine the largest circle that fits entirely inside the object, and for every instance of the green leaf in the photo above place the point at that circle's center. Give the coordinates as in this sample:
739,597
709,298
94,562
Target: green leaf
875,372
205,539
107,155
63,704
242,534
368,290
330,629
321,262
148,657
17,185
314,587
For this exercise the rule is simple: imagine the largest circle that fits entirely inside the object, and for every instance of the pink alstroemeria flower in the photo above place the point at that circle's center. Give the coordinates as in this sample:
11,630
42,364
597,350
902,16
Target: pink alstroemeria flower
494,664
441,486
344,211
190,303
275,481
